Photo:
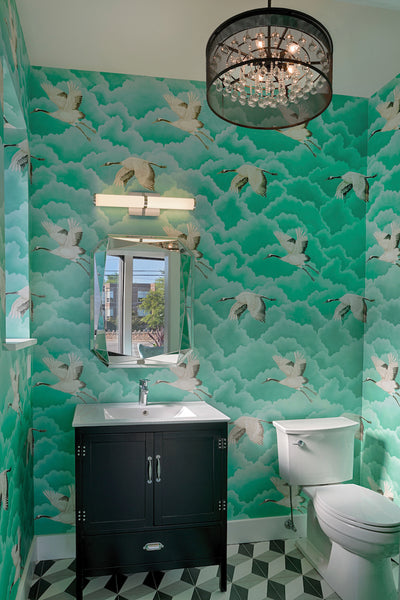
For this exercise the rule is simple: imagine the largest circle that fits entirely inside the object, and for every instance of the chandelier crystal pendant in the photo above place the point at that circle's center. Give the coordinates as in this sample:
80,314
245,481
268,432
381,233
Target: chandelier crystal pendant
269,68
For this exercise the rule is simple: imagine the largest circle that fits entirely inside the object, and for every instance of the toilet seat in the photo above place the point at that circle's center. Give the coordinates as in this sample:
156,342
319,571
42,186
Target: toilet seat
357,506
359,529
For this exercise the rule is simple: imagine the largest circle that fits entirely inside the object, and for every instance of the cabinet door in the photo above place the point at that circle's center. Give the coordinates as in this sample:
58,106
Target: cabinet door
116,482
190,477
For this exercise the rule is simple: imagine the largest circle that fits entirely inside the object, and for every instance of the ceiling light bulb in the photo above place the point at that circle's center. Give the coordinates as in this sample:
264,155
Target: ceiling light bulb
293,48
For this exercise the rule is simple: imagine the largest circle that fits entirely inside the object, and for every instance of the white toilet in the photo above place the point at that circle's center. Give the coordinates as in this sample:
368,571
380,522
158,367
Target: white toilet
352,532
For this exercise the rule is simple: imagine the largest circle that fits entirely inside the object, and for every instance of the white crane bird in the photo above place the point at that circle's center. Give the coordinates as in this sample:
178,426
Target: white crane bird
254,176
4,489
30,442
14,376
187,377
68,104
359,434
22,157
134,166
283,488
351,302
390,111
64,504
187,113
353,181
68,242
301,134
389,242
295,248
386,489
16,558
294,373
388,373
190,240
68,376
248,301
22,303
2,288
252,426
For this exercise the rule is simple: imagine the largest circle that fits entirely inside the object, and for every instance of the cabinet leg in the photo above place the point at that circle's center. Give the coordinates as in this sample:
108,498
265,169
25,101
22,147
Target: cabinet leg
79,580
222,576
79,587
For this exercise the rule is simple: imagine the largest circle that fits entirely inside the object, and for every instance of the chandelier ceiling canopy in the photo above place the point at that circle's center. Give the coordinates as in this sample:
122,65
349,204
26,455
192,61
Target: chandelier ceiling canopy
269,68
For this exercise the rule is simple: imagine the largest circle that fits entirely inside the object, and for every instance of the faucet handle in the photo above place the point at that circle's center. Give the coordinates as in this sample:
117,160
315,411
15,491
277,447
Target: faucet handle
143,383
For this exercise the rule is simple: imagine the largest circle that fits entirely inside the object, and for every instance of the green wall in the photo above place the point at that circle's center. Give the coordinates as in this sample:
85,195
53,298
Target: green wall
16,462
381,451
237,234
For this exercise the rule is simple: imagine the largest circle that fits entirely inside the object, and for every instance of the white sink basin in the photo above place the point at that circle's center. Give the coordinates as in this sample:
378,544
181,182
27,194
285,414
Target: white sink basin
149,413
89,415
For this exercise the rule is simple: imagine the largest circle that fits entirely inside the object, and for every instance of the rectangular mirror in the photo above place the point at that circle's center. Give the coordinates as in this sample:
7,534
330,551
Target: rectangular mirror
142,290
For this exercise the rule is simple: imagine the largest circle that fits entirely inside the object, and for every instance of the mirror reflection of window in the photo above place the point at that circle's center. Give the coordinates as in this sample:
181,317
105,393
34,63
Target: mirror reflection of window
134,323
148,305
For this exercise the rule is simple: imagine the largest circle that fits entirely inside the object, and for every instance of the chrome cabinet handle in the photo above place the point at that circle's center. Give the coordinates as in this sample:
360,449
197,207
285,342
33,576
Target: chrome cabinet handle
149,469
158,468
151,546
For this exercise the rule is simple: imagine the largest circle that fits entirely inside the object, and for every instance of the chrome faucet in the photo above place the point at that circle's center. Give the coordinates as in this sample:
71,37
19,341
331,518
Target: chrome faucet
143,391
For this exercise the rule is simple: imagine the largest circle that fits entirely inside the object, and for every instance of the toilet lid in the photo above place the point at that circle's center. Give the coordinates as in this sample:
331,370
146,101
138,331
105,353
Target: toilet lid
331,517
353,503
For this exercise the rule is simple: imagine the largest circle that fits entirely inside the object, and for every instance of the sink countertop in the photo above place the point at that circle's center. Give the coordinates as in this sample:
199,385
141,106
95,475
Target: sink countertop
131,413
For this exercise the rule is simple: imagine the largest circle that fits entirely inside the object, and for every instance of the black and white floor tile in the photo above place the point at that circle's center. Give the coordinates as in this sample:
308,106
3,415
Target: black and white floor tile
274,570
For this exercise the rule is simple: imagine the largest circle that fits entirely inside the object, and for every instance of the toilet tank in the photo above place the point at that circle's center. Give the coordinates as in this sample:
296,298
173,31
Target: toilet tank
316,451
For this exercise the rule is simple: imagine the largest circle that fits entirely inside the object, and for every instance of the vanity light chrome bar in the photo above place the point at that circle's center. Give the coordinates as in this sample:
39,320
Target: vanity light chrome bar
144,204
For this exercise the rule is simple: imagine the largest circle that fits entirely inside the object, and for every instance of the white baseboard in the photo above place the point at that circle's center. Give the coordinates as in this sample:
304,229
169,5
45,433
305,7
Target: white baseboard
52,547
265,529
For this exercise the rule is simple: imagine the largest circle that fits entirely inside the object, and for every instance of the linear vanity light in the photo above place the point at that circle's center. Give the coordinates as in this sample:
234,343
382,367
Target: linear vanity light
146,205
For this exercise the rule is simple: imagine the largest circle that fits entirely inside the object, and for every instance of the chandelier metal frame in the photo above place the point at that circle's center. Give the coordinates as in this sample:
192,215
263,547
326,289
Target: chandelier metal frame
269,68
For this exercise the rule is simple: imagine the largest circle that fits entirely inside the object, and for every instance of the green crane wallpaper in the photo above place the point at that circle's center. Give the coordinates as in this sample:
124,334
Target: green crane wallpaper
16,429
295,236
279,226
381,449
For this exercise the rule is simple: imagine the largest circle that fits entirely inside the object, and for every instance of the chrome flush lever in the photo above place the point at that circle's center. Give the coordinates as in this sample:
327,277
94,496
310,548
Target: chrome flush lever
299,443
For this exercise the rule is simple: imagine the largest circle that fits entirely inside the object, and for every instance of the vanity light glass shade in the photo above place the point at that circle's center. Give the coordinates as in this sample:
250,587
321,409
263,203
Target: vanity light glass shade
269,68
144,204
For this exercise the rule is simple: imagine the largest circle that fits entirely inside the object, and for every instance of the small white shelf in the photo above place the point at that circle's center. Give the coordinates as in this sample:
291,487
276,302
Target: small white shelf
19,343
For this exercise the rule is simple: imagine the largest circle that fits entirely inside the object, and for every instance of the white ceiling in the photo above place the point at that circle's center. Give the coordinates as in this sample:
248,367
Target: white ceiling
168,39
392,4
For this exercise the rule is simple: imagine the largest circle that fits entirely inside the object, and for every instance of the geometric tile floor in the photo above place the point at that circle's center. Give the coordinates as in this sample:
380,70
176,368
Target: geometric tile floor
274,570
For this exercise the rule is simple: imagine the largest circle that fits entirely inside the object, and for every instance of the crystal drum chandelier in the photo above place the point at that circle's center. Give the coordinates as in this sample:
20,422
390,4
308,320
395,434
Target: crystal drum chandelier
269,68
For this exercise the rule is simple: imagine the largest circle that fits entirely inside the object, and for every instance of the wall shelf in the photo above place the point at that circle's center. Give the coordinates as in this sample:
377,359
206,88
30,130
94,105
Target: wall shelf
18,343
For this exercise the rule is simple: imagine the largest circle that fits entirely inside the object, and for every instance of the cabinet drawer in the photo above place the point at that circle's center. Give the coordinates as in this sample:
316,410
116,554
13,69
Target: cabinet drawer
126,551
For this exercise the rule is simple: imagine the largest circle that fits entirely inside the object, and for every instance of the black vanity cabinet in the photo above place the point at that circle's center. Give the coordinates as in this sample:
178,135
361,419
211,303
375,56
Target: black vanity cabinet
150,497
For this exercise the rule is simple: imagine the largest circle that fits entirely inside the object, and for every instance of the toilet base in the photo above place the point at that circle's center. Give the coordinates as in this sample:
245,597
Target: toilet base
352,577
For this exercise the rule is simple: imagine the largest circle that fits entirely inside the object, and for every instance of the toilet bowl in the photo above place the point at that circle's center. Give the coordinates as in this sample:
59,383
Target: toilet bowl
357,518
352,532
362,531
